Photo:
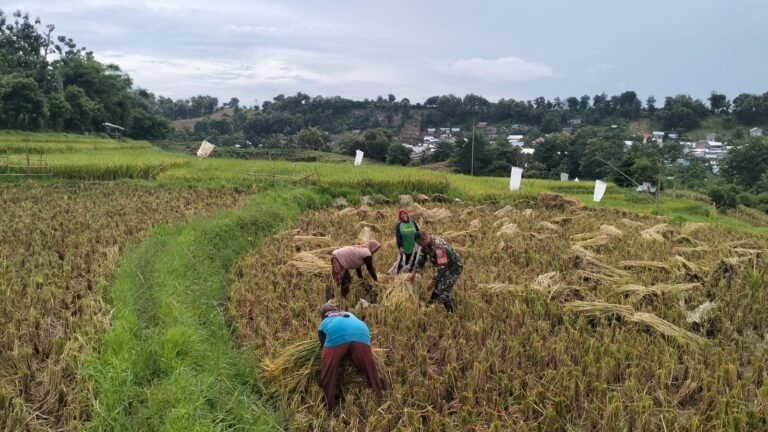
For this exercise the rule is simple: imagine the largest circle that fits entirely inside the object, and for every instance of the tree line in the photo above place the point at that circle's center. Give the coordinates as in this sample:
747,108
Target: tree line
47,82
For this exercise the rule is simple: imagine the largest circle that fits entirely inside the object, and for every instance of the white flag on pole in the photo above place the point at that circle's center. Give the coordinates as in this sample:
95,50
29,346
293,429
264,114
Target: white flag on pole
563,176
600,187
205,149
358,157
515,178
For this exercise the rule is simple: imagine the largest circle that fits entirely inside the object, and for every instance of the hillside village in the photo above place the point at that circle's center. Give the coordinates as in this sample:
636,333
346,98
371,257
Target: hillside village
710,148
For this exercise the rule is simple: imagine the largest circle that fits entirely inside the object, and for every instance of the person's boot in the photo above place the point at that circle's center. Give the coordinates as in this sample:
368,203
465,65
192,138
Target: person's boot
329,292
448,306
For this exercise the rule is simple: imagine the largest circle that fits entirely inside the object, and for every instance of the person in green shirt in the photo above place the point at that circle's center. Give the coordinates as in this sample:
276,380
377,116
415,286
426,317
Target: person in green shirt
405,230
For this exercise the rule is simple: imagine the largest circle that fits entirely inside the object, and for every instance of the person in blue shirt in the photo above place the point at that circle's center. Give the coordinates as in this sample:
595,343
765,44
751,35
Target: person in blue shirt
342,334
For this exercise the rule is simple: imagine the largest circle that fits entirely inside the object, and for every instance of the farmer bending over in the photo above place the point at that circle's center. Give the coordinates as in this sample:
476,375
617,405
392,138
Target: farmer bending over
352,258
342,334
447,263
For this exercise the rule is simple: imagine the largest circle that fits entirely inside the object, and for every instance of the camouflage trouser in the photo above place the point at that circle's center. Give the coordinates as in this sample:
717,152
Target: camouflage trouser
444,282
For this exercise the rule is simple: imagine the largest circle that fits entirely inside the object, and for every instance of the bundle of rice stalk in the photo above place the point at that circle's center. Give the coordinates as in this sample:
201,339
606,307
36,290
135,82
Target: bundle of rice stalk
475,225
585,236
302,239
746,243
422,199
508,229
364,211
365,235
749,252
506,211
600,240
400,293
691,250
660,232
372,226
688,240
323,251
677,288
598,309
689,266
611,230
666,328
438,214
699,314
501,288
640,291
547,281
599,266
562,220
308,263
649,265
295,370
580,252
549,226
347,211
692,227
637,291
631,224
538,236
292,370
500,222
528,213
452,235
597,277
289,233
417,210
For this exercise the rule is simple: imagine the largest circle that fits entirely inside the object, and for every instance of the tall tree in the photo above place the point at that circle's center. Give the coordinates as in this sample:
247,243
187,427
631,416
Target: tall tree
719,103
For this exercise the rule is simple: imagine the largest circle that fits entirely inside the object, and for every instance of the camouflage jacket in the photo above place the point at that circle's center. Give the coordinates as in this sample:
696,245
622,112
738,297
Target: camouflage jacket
443,257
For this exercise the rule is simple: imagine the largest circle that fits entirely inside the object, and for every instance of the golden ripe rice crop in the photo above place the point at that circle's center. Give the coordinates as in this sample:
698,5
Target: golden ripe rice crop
58,248
519,353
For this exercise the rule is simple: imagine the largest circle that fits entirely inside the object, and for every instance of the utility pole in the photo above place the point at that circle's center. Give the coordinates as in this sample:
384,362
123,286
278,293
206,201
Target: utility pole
473,146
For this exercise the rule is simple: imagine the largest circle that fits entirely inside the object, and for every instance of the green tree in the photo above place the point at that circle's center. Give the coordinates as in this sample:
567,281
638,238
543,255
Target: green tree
312,138
719,103
83,109
398,154
682,113
610,150
747,163
650,105
22,102
59,111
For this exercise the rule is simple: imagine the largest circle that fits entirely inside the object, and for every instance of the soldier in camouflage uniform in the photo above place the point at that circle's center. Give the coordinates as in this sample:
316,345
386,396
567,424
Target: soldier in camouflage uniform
447,263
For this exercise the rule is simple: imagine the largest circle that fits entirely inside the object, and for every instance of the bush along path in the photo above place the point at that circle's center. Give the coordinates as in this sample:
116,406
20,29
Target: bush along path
169,361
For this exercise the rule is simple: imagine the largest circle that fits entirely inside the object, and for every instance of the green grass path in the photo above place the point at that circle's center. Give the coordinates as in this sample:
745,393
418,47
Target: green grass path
169,361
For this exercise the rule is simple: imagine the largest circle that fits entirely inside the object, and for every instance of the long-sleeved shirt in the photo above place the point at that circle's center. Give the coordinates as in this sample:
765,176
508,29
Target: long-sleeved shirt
404,234
341,327
354,257
443,257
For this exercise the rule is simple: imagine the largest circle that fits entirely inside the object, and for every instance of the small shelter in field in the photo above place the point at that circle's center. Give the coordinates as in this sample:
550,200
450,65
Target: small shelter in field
113,130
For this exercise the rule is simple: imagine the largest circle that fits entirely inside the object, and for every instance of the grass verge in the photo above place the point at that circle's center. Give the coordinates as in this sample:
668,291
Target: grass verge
168,362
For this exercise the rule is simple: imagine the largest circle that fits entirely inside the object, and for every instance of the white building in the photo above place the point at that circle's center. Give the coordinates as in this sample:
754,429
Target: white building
658,136
515,140
756,132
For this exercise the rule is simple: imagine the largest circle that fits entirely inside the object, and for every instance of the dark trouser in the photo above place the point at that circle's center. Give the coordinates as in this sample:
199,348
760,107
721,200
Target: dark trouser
407,261
443,291
341,276
361,356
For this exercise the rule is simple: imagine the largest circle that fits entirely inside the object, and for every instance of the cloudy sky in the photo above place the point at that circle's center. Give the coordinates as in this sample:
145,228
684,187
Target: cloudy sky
418,48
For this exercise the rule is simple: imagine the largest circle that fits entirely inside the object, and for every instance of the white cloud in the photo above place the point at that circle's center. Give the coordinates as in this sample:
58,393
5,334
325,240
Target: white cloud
500,69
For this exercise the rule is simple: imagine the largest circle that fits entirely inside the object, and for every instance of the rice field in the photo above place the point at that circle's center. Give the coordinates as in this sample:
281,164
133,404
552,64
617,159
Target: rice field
59,246
566,319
